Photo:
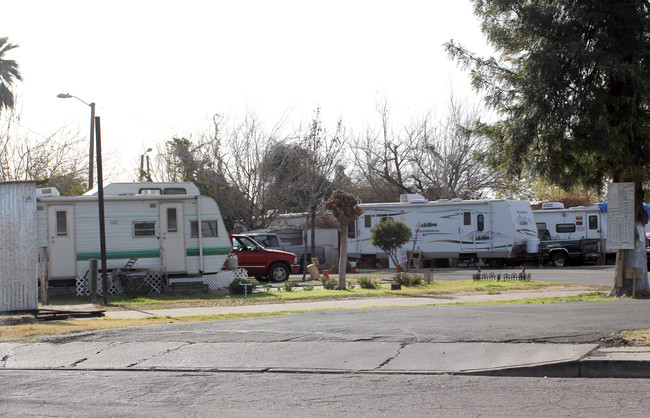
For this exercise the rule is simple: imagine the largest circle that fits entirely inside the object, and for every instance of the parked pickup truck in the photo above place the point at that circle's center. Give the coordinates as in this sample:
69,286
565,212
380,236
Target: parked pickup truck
563,251
261,262
271,240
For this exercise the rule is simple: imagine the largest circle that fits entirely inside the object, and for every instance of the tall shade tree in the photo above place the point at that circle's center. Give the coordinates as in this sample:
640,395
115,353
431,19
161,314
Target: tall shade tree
570,83
8,74
345,209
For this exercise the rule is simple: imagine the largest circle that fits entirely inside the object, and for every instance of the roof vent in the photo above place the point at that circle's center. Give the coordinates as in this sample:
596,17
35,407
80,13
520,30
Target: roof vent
552,205
412,198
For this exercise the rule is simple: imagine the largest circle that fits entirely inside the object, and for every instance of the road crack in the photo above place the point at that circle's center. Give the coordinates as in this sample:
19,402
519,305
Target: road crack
169,350
389,359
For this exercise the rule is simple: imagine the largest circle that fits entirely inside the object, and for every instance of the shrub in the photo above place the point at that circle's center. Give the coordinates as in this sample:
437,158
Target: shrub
407,279
366,282
389,236
236,287
289,285
328,283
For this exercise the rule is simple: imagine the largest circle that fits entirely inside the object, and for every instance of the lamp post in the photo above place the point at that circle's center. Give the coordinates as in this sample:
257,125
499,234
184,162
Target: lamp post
143,173
92,135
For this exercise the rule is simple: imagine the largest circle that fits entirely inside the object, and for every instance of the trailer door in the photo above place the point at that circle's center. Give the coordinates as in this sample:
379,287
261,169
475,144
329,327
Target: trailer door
61,241
593,225
467,231
172,237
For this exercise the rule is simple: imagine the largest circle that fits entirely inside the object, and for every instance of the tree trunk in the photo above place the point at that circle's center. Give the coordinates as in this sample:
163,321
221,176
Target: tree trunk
313,233
305,259
629,263
632,259
343,254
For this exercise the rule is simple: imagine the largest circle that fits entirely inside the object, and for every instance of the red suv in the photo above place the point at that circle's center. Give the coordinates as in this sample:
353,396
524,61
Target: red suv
261,262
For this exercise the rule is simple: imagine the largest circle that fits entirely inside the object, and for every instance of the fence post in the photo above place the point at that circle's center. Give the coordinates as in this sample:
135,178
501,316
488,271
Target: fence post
92,282
45,261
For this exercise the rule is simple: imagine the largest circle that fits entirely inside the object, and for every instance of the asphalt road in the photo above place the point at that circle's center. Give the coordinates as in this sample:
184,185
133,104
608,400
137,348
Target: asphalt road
365,362
559,323
163,394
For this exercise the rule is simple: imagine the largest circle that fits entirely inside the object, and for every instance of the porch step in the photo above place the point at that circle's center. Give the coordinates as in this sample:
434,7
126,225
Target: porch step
185,288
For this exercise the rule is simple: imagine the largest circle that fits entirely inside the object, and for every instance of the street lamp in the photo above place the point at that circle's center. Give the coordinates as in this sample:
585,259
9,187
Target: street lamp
92,135
142,158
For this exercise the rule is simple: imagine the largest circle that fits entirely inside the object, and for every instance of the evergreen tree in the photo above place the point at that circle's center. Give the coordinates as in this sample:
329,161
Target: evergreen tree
570,84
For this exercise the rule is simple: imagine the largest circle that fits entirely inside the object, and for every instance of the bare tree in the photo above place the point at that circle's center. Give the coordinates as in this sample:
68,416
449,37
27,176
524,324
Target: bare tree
60,159
306,168
228,165
451,162
381,158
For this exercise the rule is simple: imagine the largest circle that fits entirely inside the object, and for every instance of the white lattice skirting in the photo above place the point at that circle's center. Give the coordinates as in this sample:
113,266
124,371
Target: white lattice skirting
154,279
223,279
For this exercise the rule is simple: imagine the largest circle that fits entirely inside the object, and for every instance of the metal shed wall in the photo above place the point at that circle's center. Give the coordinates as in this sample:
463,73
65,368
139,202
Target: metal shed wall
18,247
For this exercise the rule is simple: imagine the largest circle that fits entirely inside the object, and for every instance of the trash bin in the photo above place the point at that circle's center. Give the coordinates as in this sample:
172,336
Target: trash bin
313,272
232,262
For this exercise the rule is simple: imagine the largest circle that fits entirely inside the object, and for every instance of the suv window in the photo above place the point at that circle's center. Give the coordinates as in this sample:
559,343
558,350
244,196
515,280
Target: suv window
267,240
243,244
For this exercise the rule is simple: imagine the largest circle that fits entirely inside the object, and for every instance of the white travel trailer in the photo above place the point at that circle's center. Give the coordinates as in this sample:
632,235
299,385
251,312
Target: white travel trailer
496,231
155,223
578,222
572,223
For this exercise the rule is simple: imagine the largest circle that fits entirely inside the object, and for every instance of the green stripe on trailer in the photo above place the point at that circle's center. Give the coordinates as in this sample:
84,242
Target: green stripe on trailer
113,255
126,254
194,252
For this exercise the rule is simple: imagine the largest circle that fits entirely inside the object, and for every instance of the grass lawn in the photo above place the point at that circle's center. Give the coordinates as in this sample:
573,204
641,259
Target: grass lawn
264,295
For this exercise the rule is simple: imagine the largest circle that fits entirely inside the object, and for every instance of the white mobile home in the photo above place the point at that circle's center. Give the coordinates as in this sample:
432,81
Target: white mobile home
156,223
492,230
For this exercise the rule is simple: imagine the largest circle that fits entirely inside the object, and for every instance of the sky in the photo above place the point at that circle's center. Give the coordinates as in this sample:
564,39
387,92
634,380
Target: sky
159,69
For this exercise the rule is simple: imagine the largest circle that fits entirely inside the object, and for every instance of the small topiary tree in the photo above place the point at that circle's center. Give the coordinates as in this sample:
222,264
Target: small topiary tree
389,236
344,208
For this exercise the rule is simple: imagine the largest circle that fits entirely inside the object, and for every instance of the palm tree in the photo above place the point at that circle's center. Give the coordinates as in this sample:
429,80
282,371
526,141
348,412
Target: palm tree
8,72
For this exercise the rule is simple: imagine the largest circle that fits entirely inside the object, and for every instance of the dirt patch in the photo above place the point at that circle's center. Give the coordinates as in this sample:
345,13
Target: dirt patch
17,319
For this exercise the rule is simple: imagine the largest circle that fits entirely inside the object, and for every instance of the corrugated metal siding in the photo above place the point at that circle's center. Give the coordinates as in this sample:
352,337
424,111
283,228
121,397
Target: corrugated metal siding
18,247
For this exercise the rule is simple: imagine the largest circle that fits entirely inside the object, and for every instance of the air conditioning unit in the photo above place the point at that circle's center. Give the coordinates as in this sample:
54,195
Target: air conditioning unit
47,192
552,205
412,198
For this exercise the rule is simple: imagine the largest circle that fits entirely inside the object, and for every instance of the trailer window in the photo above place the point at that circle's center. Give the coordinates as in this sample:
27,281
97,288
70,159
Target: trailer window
208,229
172,221
565,228
174,190
467,218
593,221
61,223
480,222
541,225
367,221
144,229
